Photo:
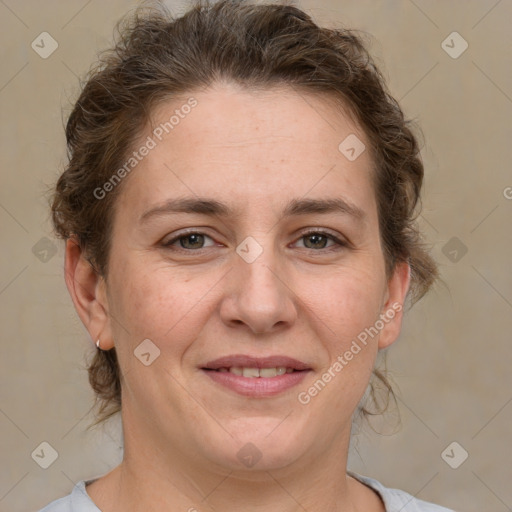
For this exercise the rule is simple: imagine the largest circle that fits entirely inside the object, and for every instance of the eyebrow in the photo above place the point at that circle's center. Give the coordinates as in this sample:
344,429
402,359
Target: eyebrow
212,207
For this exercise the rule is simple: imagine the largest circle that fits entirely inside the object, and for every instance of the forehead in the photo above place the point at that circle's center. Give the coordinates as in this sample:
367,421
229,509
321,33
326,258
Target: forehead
254,147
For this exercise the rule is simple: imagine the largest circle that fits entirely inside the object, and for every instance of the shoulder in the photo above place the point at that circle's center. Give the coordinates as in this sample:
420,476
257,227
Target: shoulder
396,500
77,501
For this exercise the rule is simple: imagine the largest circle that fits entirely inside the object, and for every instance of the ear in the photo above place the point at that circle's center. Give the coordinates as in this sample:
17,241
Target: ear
393,308
88,291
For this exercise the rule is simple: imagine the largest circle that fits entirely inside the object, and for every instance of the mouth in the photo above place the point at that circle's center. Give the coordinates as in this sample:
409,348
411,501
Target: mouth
255,372
255,376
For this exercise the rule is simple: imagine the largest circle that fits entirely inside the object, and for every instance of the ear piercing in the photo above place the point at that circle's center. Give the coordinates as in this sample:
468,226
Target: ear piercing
98,344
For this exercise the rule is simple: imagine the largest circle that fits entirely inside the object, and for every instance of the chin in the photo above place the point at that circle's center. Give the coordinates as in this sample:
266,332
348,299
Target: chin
261,446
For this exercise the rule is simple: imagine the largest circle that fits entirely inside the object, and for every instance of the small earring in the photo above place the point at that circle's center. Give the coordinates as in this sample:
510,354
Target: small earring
98,343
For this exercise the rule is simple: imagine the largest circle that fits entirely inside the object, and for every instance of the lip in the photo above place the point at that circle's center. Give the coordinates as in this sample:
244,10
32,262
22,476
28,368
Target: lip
256,387
246,361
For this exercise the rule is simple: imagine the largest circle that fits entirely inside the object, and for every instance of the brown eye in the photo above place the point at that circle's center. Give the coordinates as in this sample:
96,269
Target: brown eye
317,241
320,239
190,241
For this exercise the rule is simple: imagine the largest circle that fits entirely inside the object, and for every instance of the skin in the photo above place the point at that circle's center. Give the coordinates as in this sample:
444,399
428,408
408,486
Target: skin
255,151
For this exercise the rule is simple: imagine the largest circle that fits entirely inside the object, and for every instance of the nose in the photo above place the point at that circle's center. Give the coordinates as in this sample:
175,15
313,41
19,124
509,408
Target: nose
259,296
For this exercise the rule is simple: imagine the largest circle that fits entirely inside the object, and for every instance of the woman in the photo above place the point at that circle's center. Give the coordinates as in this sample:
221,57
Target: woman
238,212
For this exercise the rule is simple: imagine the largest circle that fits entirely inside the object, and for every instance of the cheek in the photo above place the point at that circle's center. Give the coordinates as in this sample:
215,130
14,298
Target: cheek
163,305
347,302
348,308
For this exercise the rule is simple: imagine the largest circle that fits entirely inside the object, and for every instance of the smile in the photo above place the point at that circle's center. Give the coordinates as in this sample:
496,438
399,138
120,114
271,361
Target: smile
256,382
257,372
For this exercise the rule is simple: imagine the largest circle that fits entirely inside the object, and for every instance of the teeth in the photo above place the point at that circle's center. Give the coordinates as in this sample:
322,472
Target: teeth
257,372
269,372
251,372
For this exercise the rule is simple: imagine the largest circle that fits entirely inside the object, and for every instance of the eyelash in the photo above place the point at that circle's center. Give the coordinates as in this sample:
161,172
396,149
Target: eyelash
329,236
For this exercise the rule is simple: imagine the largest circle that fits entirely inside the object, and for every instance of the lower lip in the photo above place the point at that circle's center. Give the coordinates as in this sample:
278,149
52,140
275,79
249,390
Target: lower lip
258,387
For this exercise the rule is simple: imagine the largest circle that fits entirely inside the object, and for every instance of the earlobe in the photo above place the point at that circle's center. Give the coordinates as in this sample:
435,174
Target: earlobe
392,311
88,292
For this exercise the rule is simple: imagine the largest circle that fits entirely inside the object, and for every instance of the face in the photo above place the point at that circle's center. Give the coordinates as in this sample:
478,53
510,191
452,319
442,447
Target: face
247,232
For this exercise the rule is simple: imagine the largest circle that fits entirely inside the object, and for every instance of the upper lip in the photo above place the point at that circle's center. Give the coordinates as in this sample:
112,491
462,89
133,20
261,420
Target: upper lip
245,361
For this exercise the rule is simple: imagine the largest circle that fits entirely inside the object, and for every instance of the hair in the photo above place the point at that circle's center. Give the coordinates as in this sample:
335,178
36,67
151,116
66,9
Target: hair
157,57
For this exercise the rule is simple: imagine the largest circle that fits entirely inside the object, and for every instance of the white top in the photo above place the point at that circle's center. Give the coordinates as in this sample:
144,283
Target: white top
394,499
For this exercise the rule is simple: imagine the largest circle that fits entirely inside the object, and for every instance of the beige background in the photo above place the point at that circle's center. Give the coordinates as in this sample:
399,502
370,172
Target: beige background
452,362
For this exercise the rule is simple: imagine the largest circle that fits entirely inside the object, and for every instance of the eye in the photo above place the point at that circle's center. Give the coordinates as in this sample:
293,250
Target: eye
319,240
190,241
196,240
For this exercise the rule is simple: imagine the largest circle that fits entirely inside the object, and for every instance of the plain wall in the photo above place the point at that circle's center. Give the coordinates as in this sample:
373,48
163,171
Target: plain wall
452,361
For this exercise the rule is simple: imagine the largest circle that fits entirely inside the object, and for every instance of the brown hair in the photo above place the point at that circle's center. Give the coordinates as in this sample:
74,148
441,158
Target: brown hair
157,57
